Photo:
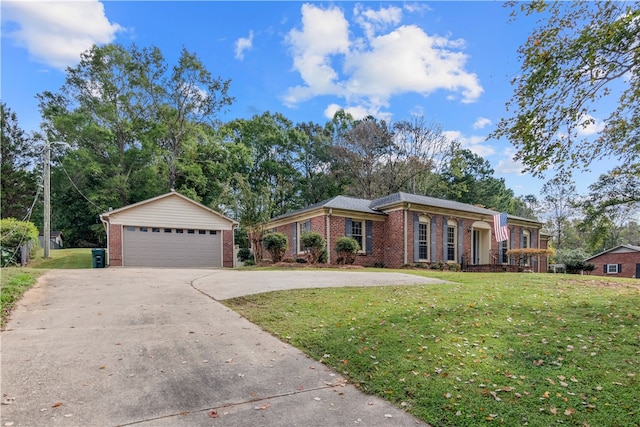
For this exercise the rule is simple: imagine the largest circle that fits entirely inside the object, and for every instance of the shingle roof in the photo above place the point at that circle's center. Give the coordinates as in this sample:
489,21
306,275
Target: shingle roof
632,247
429,201
377,206
338,202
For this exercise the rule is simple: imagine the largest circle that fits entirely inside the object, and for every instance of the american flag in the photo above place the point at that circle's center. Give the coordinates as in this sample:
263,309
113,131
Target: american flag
500,227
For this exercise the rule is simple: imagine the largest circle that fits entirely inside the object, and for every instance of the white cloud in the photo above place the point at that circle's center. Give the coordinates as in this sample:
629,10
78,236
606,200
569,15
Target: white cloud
508,165
325,32
243,44
475,143
481,123
590,125
56,33
373,21
404,60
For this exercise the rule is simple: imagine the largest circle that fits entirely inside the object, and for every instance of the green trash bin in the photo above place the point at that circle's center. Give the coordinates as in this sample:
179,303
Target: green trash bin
98,258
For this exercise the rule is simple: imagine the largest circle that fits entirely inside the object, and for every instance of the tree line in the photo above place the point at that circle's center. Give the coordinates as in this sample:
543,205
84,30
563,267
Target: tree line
126,126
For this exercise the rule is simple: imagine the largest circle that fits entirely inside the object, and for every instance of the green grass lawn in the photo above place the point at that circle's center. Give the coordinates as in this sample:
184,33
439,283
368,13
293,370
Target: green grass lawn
14,281
509,349
63,258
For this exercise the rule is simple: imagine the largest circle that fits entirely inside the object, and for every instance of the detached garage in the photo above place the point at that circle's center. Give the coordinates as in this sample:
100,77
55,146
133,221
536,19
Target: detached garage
170,230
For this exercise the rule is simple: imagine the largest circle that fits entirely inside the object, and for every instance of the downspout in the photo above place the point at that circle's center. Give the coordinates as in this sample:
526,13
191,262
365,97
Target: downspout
233,246
328,226
106,229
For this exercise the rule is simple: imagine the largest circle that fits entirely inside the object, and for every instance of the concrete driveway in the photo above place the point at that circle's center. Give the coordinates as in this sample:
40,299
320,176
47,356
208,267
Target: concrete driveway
153,347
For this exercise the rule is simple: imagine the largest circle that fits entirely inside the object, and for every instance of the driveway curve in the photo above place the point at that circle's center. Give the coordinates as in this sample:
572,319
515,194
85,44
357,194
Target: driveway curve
154,347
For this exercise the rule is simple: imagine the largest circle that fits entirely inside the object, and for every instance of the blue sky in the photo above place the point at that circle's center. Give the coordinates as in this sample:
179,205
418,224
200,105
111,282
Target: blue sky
451,62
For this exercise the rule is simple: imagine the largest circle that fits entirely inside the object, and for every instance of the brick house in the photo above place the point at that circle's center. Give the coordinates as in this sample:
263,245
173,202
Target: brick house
621,261
404,228
170,230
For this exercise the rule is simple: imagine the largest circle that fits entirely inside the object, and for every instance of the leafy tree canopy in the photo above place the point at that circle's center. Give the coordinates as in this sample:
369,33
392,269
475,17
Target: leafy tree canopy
582,63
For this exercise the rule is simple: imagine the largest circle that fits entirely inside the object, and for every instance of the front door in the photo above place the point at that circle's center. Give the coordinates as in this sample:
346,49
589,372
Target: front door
475,249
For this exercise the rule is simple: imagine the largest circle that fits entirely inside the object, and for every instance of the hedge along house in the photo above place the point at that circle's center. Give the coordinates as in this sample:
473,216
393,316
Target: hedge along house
169,230
621,261
404,228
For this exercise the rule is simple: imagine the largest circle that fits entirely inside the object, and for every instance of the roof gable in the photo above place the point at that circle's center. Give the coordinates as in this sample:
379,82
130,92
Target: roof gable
169,210
621,249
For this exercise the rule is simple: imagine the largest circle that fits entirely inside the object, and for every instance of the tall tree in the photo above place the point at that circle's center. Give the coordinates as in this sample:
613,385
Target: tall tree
420,153
184,100
559,196
315,164
274,162
18,186
612,203
582,57
358,153
468,178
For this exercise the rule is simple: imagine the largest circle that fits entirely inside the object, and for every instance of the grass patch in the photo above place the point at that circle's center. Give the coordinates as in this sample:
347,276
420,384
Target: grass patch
510,349
14,281
63,259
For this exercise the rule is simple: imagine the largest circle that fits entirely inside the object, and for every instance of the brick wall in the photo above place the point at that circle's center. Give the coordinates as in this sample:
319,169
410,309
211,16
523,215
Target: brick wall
627,259
393,244
114,256
227,248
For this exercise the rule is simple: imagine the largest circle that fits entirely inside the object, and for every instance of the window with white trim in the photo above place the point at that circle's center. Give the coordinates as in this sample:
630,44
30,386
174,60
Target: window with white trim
452,237
612,269
423,238
357,232
504,259
303,227
525,239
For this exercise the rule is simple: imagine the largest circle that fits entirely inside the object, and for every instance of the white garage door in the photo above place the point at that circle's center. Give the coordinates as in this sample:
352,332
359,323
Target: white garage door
171,247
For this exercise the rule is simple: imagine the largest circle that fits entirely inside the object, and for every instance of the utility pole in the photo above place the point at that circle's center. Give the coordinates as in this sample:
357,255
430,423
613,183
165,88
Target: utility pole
47,198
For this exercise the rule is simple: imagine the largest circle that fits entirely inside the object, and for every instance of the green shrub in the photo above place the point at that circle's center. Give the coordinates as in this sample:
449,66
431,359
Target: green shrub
347,248
13,234
276,245
313,243
244,254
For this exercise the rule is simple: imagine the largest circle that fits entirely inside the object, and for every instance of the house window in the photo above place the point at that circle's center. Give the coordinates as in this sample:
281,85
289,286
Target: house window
525,239
357,231
213,231
131,229
303,227
451,240
191,231
179,230
504,247
155,230
167,230
143,229
202,231
423,239
612,269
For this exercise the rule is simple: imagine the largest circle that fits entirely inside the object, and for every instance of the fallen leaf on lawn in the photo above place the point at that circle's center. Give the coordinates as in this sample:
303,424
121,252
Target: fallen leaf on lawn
55,405
570,411
545,395
553,410
213,414
495,396
563,384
